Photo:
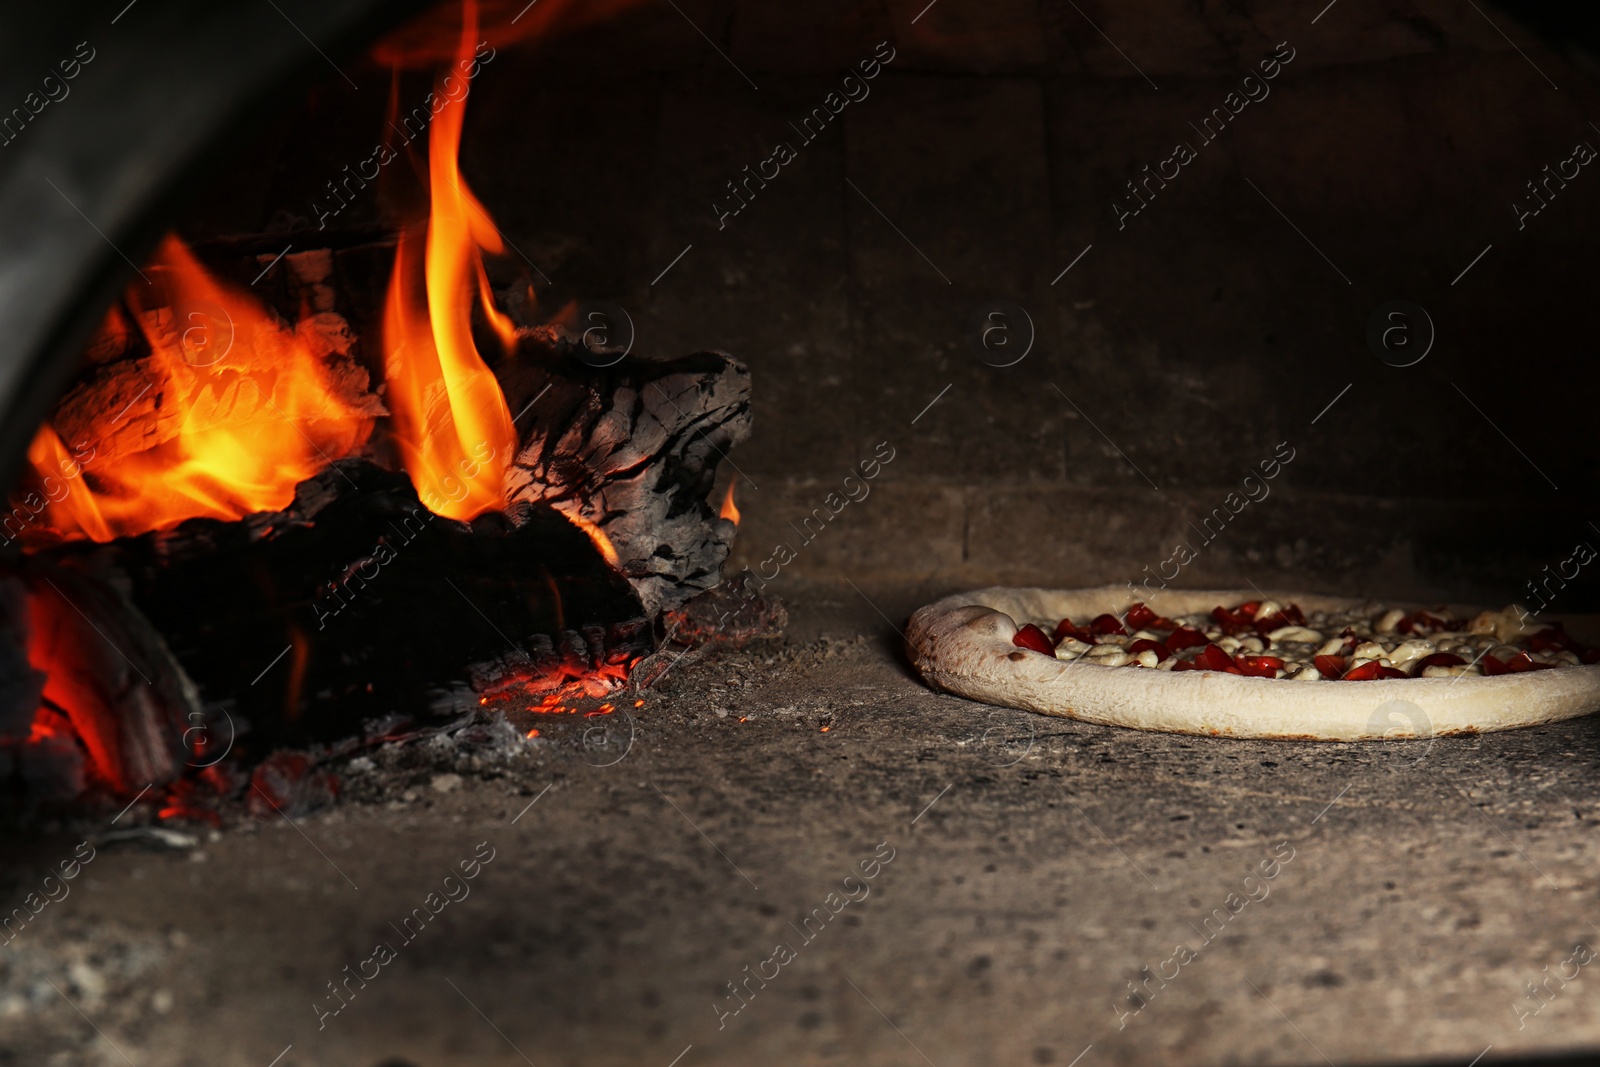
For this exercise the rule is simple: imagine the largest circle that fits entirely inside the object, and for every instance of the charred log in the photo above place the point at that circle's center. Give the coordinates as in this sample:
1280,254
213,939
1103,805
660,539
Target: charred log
111,683
633,449
356,602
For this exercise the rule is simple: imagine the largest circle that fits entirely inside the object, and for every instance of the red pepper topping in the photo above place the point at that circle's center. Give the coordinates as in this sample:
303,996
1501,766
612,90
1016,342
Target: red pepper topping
1437,659
1106,624
1258,666
1186,637
1491,665
1145,644
1066,628
1329,666
1031,637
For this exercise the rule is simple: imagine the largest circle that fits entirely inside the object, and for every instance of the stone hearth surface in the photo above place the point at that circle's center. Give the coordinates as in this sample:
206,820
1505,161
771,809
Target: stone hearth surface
1023,871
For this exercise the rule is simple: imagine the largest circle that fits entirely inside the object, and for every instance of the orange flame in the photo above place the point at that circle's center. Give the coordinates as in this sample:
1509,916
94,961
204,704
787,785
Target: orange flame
450,418
730,510
253,407
597,535
75,701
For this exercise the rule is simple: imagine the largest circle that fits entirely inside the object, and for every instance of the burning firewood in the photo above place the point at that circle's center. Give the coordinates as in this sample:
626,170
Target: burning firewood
225,481
632,450
109,678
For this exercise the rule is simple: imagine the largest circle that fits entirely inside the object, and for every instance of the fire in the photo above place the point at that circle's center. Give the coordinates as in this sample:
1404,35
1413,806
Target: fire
74,704
243,405
451,421
242,408
597,535
730,510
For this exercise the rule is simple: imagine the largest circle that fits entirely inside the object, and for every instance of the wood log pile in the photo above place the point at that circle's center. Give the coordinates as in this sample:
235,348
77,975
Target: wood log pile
147,643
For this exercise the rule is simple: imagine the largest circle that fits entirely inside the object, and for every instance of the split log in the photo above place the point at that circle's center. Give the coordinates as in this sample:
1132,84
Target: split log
633,449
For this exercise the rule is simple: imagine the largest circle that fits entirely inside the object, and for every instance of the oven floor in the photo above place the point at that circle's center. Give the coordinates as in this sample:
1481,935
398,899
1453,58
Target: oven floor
1037,866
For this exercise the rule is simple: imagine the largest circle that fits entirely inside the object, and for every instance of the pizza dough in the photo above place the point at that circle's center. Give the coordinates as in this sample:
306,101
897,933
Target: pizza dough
962,644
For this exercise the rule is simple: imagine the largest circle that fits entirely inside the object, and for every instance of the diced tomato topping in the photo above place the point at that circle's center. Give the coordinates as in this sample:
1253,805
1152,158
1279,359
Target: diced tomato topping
1030,636
1186,665
1329,666
1363,673
1186,637
1141,617
1515,665
1212,658
1241,620
1371,670
1258,666
1289,616
1549,640
1067,628
1421,622
1437,659
1145,644
1524,662
1106,624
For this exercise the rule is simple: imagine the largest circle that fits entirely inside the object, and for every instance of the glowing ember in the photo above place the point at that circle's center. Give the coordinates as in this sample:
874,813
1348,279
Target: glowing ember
450,417
730,510
255,415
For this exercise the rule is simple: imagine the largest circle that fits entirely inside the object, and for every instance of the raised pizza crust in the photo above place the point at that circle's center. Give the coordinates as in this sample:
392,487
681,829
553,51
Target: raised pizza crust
963,644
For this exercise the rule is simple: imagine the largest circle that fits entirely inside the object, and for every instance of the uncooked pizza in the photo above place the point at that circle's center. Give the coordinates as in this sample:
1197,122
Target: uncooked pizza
1256,666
